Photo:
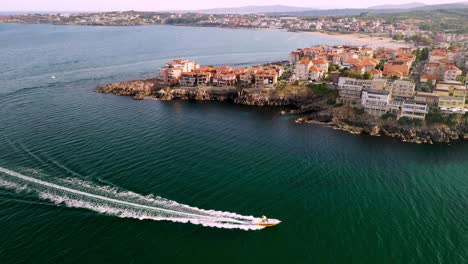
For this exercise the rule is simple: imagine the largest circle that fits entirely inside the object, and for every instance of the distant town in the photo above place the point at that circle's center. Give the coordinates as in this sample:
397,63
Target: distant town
420,27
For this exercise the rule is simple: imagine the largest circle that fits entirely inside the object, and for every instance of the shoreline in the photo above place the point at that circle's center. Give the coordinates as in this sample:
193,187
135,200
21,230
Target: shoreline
359,39
362,39
308,109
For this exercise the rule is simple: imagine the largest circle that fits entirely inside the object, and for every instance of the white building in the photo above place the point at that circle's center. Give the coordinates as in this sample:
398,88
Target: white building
403,88
349,89
414,110
451,73
302,69
375,102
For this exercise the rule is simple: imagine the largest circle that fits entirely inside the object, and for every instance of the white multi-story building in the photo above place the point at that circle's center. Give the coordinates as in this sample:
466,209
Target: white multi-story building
403,88
414,110
349,89
375,102
302,69
174,69
451,73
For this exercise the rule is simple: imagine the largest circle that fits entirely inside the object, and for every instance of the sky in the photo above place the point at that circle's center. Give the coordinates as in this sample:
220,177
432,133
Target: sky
156,5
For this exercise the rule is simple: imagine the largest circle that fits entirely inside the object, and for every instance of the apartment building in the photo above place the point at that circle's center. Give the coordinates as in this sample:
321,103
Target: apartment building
451,102
451,73
431,99
349,89
302,69
403,88
375,102
188,79
225,79
246,79
414,110
266,79
314,73
171,73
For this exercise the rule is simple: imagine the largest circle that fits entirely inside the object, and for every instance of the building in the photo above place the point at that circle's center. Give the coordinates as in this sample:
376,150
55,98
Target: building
452,88
431,99
395,105
204,78
442,91
225,79
451,73
396,67
294,57
314,73
322,64
171,73
376,73
302,69
266,79
375,102
188,79
246,79
349,89
168,75
451,102
414,110
350,62
403,88
379,84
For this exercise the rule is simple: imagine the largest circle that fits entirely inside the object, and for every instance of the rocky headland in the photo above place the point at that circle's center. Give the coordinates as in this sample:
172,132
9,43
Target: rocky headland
309,105
345,118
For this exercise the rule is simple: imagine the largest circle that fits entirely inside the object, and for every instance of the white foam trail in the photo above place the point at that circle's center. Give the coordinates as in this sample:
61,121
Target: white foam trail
125,204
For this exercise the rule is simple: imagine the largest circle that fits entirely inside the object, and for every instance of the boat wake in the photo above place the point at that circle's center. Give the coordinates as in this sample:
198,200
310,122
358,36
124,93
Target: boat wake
77,193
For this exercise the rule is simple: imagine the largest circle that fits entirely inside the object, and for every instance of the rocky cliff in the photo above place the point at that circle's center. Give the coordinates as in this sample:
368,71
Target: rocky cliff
303,101
138,88
149,88
344,119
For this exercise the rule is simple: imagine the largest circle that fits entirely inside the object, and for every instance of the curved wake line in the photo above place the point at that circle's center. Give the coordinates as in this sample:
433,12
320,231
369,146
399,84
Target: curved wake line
113,206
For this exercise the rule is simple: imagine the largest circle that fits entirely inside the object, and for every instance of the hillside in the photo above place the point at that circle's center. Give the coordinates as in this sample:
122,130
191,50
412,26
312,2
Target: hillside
254,9
380,10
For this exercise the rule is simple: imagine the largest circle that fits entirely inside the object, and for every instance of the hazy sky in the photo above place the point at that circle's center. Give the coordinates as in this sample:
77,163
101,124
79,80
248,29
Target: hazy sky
150,5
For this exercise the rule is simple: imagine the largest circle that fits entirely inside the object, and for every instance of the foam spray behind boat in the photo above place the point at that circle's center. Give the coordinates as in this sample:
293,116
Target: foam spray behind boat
74,192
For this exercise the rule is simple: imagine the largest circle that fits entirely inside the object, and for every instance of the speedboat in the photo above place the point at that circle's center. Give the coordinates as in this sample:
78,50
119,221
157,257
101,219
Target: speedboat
266,223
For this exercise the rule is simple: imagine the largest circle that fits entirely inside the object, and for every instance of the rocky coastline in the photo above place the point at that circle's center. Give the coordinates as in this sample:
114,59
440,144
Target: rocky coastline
149,89
310,109
344,119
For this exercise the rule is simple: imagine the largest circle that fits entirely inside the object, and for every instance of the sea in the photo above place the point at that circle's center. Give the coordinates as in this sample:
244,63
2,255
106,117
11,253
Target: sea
97,178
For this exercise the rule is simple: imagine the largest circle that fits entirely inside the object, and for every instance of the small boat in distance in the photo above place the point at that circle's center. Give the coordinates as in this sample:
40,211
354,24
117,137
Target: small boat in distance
266,222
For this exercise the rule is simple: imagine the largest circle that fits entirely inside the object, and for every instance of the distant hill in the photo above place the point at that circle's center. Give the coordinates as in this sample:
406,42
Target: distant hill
443,6
255,9
402,6
386,9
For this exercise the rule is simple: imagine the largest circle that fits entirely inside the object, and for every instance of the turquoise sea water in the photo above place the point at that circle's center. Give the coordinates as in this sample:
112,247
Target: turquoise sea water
77,168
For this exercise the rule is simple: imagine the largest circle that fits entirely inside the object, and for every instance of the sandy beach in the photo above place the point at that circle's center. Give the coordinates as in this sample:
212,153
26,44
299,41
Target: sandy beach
363,39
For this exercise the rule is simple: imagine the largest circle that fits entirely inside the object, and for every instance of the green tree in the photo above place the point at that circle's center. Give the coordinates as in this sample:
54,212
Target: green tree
425,54
381,64
367,75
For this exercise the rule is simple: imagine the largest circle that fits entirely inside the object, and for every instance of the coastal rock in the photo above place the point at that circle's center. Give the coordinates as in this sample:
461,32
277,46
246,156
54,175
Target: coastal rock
137,88
356,124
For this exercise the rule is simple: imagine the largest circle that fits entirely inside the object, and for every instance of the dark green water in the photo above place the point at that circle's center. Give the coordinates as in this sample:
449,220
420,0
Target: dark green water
341,198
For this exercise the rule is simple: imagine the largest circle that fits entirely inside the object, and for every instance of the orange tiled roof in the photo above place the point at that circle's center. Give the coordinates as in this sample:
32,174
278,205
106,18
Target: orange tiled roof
451,68
396,73
188,74
352,60
428,76
320,61
305,61
314,68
